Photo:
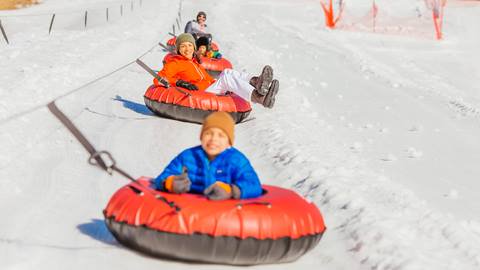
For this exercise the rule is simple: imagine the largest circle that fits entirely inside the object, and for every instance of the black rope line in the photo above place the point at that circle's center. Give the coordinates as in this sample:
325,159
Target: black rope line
21,242
66,12
42,14
36,108
116,116
102,159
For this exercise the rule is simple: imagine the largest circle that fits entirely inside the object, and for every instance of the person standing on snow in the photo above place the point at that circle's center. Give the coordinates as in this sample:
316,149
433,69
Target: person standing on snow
214,168
198,27
184,70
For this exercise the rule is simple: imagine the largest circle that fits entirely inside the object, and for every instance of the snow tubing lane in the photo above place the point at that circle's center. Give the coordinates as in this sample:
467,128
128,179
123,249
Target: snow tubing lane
212,65
279,226
172,103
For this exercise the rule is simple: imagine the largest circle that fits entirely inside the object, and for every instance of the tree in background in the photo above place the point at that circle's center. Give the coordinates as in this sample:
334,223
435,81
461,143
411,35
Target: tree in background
13,4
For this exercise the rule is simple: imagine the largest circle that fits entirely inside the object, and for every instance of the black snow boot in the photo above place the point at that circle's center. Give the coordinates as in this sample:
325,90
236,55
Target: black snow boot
262,82
267,100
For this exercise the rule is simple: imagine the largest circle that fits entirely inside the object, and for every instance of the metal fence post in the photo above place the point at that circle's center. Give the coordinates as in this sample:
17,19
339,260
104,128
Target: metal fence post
51,24
3,32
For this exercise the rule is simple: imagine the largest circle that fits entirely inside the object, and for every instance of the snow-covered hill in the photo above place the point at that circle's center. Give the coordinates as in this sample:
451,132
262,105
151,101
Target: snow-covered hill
379,129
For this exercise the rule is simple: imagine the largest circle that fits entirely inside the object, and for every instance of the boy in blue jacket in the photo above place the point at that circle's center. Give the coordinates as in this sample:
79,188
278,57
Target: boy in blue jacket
214,168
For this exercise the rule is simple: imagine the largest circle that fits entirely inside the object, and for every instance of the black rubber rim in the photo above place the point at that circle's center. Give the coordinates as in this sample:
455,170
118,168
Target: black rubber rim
208,249
186,114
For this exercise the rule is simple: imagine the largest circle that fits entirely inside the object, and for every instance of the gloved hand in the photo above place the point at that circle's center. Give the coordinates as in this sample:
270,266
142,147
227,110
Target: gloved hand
178,183
186,85
221,191
218,56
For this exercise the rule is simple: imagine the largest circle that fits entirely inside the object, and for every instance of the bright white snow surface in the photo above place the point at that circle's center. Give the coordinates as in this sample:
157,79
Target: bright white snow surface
380,130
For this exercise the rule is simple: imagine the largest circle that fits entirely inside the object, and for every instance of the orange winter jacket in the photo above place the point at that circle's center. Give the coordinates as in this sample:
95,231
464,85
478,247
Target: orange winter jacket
181,68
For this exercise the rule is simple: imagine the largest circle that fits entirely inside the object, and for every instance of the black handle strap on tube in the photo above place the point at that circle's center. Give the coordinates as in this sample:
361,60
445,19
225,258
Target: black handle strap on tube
97,157
160,79
141,189
170,50
153,73
241,205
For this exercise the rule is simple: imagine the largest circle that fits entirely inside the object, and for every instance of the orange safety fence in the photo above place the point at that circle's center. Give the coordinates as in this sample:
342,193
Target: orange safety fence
407,17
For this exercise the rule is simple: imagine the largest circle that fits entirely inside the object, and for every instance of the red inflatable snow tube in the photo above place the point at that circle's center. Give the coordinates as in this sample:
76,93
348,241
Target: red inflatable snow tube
171,43
213,66
193,106
279,226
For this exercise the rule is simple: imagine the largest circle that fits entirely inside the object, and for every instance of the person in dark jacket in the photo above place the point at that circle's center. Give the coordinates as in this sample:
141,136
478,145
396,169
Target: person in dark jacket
204,49
215,168
198,27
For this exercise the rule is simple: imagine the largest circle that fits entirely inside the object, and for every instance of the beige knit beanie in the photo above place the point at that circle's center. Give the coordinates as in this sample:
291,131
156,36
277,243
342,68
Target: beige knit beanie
221,120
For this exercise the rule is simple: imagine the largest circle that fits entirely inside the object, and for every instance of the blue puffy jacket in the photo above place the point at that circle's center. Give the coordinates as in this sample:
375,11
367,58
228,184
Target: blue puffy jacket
230,166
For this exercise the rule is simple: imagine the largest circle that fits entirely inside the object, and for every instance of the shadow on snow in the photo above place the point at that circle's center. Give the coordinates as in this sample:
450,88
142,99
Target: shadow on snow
136,107
97,230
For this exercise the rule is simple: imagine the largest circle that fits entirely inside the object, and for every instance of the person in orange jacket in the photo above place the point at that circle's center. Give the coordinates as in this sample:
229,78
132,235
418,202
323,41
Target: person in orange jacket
185,71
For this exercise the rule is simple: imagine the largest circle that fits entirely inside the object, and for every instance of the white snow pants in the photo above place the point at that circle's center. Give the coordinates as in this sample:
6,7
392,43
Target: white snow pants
232,81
